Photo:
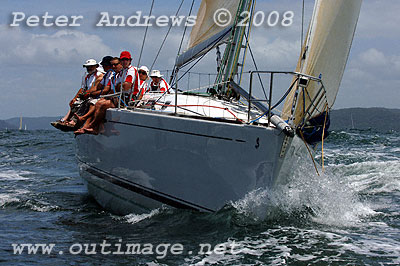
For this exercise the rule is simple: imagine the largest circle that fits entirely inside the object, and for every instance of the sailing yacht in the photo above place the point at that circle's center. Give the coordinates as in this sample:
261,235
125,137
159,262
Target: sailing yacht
20,123
200,151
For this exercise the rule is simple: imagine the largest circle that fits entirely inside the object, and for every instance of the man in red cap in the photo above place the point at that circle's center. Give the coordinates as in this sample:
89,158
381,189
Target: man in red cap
130,76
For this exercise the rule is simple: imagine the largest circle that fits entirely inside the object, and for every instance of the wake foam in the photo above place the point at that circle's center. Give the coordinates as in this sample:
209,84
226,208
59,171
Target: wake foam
327,199
13,175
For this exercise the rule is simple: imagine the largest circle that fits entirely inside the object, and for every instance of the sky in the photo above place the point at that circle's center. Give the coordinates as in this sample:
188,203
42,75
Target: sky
42,65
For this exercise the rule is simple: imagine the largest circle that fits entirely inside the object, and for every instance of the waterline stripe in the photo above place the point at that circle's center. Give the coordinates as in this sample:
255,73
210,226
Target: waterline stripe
150,193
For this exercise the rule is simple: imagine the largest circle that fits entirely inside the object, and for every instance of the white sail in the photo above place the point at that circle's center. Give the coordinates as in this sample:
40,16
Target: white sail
325,52
206,33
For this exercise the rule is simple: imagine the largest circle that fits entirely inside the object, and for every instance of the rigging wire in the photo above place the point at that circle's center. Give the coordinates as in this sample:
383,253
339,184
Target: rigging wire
180,45
302,27
255,65
278,103
187,71
145,34
309,151
166,35
195,63
323,136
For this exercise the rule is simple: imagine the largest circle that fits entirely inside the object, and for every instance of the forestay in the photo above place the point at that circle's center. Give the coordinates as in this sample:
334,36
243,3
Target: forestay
325,53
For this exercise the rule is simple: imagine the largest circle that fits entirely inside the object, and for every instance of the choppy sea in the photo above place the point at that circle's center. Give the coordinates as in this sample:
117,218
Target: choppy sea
350,215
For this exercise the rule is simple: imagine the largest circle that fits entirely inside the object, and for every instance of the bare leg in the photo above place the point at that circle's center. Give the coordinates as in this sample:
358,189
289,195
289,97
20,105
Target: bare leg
81,119
67,116
99,115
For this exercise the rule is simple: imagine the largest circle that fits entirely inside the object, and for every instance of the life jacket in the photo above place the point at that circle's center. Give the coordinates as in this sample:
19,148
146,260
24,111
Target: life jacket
115,79
89,80
131,75
107,78
161,86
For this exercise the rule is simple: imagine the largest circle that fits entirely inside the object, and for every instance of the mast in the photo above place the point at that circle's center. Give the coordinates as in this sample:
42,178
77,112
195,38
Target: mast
228,67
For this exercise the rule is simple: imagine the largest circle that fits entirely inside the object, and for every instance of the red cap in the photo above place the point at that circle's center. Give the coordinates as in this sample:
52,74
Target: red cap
125,54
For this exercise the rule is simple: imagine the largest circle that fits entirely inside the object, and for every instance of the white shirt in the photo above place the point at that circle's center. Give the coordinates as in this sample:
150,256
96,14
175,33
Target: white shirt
107,78
89,80
162,86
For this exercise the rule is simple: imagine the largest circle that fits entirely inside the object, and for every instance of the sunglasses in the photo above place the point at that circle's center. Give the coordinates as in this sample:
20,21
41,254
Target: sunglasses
125,59
116,64
142,72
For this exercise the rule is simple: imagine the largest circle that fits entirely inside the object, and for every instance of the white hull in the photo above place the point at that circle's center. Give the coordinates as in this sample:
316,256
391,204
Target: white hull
144,159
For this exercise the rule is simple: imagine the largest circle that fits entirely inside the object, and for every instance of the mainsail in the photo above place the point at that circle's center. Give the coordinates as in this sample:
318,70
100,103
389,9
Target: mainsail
206,34
324,55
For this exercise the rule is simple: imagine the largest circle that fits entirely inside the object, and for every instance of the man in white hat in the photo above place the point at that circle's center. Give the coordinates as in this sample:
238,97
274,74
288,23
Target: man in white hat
93,123
91,80
158,83
94,92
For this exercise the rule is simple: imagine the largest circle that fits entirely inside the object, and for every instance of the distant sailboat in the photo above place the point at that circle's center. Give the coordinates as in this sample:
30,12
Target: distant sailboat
20,123
25,127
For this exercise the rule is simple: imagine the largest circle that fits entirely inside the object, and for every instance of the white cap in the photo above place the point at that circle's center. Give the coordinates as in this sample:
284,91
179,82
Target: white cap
90,62
145,69
156,73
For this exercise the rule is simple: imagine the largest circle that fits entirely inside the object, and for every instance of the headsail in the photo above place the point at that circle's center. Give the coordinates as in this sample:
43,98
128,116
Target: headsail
206,34
324,54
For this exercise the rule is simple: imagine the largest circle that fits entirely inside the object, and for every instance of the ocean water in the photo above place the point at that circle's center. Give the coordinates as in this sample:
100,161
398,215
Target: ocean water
350,215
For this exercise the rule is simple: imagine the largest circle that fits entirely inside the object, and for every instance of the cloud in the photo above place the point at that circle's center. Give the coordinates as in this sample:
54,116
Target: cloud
371,79
379,19
62,47
373,57
377,63
276,53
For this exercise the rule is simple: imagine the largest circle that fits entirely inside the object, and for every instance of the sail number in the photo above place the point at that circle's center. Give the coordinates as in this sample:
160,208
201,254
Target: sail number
273,19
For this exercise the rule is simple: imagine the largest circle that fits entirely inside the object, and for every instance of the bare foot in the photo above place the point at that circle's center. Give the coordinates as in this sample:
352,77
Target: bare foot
79,131
91,131
70,123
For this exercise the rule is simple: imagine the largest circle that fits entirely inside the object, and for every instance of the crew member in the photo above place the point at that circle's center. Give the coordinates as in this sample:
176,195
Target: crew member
158,83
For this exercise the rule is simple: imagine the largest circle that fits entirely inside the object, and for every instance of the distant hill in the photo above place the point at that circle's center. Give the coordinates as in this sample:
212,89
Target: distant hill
32,123
5,125
380,119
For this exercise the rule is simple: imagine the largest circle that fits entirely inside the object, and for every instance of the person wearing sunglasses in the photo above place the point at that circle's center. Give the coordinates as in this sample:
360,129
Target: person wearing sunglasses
113,86
143,77
78,103
94,93
130,77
